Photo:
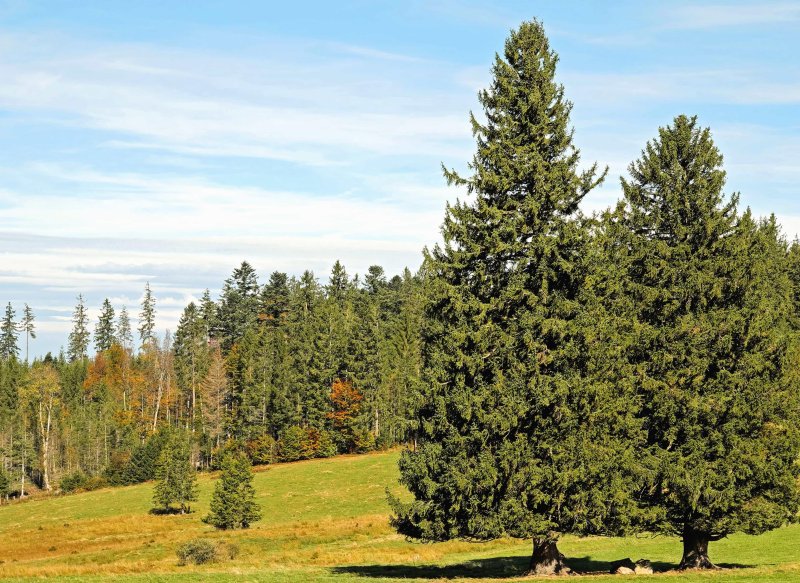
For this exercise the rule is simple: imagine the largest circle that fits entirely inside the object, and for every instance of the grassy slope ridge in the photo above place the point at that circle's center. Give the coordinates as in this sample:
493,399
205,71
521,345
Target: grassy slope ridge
324,520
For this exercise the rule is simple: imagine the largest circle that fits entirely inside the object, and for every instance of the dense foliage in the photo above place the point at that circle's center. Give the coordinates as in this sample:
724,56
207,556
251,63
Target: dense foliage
512,440
708,293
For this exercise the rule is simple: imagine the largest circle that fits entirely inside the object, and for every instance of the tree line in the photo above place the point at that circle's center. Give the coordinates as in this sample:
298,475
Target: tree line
289,369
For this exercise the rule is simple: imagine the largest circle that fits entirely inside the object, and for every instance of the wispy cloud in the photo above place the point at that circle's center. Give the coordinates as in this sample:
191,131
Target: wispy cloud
314,112
742,86
698,16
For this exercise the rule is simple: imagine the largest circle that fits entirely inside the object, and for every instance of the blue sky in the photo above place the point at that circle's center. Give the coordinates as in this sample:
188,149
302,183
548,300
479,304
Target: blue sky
168,141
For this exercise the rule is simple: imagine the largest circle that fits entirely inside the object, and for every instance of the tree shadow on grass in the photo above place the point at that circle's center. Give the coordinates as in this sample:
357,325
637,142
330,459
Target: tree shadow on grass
168,511
496,567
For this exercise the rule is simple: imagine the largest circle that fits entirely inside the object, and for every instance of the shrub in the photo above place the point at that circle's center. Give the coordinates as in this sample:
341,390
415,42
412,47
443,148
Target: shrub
197,551
232,550
295,444
72,482
262,450
325,445
94,483
304,443
363,441
117,465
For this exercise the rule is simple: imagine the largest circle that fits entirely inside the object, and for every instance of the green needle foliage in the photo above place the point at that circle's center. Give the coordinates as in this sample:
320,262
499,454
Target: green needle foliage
176,478
8,335
79,336
233,502
516,436
104,335
714,353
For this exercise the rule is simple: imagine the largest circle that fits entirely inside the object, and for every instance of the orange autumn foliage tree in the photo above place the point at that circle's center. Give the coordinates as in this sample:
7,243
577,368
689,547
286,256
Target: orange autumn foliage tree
104,378
346,404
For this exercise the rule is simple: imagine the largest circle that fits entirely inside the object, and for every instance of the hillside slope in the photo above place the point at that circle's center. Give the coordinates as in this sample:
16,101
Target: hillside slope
324,520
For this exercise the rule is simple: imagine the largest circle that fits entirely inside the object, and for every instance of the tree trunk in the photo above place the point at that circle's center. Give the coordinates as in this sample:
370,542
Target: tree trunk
546,558
695,551
46,452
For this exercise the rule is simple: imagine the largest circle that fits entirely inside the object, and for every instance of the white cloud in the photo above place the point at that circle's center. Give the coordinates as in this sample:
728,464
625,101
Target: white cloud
696,15
696,86
346,99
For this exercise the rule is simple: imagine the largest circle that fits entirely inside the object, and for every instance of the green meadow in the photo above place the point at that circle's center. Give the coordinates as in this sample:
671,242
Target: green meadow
324,520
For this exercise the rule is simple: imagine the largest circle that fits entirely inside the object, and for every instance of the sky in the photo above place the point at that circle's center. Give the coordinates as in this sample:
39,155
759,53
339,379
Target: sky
166,142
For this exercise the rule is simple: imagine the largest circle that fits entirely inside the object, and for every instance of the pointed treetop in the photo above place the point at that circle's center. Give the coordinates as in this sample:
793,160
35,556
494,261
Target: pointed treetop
147,317
124,332
78,341
104,336
8,335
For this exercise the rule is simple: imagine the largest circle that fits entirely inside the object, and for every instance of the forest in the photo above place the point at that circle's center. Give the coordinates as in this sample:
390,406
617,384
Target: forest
293,369
547,371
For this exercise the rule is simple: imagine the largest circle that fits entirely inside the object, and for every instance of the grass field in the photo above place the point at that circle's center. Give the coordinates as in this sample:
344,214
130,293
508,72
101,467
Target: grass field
324,520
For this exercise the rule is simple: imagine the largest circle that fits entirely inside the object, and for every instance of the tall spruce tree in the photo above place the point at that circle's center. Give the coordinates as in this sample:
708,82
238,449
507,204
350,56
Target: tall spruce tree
78,341
27,325
239,305
714,353
514,439
104,336
233,502
9,347
147,317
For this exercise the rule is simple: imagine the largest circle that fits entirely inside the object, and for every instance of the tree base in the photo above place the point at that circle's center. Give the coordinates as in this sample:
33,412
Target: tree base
695,552
546,559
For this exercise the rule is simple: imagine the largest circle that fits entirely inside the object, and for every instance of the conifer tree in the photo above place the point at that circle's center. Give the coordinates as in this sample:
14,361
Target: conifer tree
79,336
710,300
233,501
26,325
104,335
208,313
8,335
275,298
147,317
176,478
124,331
339,281
308,405
239,305
514,439
191,356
